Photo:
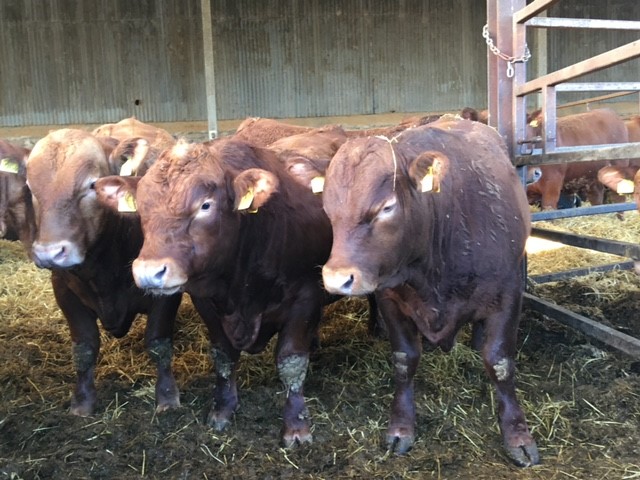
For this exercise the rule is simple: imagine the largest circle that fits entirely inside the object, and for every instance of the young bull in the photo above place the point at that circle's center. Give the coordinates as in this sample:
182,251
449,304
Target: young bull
225,223
16,222
435,223
89,250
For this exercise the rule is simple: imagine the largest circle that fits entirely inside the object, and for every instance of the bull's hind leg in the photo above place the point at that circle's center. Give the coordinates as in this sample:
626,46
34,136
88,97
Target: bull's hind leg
501,331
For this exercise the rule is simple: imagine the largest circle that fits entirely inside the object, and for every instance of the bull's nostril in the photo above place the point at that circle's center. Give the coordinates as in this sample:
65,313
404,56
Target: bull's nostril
348,283
160,273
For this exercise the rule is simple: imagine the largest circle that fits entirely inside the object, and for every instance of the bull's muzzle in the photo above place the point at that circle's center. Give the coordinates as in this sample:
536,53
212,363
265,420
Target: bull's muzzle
344,281
60,254
161,276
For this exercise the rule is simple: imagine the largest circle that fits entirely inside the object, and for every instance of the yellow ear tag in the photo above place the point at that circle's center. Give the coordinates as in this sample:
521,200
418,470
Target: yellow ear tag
534,123
127,169
9,166
317,184
426,183
625,186
126,203
245,201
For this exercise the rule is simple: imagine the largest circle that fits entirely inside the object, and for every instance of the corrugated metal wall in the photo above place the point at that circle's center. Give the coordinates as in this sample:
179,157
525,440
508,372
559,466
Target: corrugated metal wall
337,57
96,61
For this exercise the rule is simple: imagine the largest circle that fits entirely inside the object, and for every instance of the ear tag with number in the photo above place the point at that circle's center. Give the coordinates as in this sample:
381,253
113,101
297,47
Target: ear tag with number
625,186
9,166
426,184
246,200
127,203
317,184
126,170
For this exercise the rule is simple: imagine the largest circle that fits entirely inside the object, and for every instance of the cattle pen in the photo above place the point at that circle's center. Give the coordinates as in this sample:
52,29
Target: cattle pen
581,398
508,21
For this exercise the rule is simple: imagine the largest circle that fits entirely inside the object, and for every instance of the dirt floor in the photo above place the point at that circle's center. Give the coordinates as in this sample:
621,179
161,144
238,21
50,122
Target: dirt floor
581,398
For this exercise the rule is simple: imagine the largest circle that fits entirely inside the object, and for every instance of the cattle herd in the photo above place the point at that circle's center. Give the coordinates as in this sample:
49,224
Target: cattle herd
265,227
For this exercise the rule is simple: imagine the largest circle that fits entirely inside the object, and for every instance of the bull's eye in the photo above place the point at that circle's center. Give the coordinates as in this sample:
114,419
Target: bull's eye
92,185
387,209
206,208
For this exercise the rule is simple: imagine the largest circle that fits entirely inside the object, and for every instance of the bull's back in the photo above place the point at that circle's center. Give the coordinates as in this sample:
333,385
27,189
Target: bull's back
482,186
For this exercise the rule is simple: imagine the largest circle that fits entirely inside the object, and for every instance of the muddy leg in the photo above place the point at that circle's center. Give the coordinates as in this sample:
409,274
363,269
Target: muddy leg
406,347
499,363
292,370
167,394
83,401
225,391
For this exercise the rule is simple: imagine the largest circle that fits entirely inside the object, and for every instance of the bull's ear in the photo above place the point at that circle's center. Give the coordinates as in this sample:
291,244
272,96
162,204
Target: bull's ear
307,172
117,193
253,188
427,171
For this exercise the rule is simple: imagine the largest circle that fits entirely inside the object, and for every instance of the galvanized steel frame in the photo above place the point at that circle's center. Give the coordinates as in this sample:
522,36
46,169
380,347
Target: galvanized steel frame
507,23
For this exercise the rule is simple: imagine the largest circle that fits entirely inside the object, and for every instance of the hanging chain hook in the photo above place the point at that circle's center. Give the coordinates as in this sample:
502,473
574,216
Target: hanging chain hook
507,58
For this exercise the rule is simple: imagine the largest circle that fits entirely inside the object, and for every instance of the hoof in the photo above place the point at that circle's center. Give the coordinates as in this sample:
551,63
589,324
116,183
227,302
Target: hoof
400,441
82,408
524,455
296,438
168,405
218,421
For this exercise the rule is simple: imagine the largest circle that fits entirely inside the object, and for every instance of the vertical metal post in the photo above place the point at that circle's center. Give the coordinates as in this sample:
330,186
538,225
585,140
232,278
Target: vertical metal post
209,71
501,97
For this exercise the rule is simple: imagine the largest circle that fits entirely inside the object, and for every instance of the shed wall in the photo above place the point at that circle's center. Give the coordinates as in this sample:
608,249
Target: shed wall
98,61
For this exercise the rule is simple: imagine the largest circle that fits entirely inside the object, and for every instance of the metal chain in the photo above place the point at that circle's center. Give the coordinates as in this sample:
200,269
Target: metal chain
510,60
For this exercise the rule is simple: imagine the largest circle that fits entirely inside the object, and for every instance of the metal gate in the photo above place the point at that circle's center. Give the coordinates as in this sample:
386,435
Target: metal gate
507,24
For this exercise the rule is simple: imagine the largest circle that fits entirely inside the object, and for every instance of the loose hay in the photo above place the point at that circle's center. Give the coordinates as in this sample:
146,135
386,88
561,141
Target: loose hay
582,401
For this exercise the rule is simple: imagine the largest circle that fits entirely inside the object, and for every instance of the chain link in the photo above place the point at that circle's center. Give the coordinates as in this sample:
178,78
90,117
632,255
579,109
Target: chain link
507,58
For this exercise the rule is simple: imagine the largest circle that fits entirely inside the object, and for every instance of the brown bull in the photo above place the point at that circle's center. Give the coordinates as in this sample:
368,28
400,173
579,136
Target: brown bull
89,250
15,199
264,131
597,127
224,222
435,224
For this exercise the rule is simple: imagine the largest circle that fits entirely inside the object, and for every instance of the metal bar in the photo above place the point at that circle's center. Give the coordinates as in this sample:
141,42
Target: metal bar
614,247
209,71
609,336
551,22
593,64
595,99
584,153
582,211
500,95
579,272
533,9
599,87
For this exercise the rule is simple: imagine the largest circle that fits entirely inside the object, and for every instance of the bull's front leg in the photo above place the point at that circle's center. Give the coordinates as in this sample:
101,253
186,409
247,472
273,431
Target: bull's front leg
86,345
159,344
406,350
225,391
292,370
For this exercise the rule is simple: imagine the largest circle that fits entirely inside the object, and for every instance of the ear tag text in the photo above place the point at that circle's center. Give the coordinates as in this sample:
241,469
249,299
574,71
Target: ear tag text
9,166
426,184
246,200
317,184
127,203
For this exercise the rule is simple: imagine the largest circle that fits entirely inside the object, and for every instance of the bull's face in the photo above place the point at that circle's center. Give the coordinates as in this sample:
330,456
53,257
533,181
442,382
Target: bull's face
369,194
61,173
186,208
